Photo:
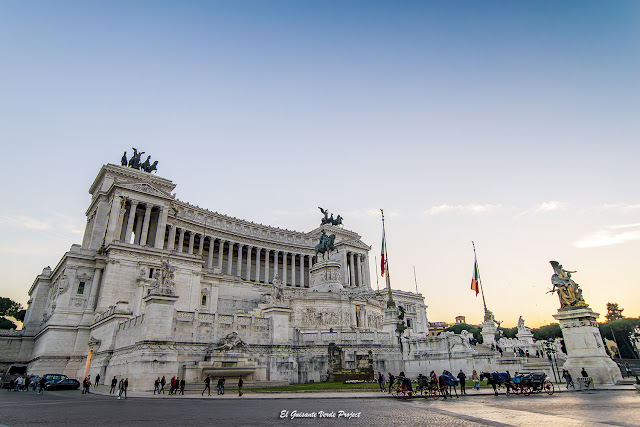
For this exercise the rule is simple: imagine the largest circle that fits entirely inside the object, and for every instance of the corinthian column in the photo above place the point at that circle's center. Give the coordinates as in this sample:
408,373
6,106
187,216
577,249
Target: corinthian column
353,271
239,267
258,250
230,259
248,278
132,215
284,268
145,225
266,265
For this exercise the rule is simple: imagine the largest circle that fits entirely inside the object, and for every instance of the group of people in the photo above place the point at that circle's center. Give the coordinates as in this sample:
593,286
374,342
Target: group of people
175,384
433,378
122,386
220,385
22,383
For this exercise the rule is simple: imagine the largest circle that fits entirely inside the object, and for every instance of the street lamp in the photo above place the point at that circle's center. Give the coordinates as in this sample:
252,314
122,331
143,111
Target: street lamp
551,355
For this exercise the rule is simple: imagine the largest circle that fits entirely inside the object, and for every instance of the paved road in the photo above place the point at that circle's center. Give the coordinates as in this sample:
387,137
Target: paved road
59,408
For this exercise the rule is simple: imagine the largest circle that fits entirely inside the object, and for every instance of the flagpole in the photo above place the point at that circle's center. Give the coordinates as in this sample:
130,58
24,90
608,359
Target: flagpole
479,279
390,302
415,279
377,284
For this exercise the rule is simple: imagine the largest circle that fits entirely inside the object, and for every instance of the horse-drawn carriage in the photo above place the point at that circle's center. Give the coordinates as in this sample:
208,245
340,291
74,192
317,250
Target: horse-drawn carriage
535,382
523,383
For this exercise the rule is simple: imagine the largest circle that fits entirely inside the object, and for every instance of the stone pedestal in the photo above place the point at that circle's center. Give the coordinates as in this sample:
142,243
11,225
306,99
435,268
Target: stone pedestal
279,323
584,346
158,316
325,276
489,331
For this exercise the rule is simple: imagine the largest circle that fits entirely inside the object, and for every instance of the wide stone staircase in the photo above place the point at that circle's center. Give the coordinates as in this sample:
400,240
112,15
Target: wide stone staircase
634,364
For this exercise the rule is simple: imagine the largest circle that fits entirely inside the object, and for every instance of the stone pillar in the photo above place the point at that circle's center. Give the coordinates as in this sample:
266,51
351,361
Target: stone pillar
309,271
171,244
343,268
284,268
145,225
162,228
158,316
258,250
367,276
584,346
192,238
220,253
180,239
353,271
266,265
230,259
121,223
275,263
358,270
293,269
201,244
114,221
239,266
210,257
139,230
132,215
248,278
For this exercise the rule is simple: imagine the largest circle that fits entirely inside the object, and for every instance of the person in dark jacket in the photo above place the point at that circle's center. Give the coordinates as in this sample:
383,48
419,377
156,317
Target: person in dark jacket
391,380
114,383
207,385
462,378
182,384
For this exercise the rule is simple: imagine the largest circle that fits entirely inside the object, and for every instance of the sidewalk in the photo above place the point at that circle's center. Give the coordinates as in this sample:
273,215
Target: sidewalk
329,394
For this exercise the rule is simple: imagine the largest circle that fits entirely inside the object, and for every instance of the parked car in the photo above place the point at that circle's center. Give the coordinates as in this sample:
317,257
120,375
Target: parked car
65,384
54,377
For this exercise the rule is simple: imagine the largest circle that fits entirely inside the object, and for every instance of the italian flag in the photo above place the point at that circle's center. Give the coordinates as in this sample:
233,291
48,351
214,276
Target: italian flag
382,252
475,280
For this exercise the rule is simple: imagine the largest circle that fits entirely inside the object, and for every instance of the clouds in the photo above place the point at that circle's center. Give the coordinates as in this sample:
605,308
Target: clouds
472,208
610,235
24,222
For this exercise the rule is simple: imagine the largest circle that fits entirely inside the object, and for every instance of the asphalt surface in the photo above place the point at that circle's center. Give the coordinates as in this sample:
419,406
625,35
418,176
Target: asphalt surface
61,408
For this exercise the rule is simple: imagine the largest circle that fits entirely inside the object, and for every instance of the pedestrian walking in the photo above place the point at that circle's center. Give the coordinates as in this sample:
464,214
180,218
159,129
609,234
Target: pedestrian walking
42,383
162,383
391,379
240,384
114,383
627,368
156,386
381,382
207,385
220,386
182,384
172,384
97,380
569,381
126,386
120,388
463,379
476,380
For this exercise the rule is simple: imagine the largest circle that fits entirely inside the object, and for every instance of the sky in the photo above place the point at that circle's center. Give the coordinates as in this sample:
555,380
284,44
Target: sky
510,124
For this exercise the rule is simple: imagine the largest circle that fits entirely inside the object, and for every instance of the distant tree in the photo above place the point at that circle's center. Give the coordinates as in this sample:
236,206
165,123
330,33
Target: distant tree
613,312
20,315
7,324
620,328
547,332
459,327
509,332
10,308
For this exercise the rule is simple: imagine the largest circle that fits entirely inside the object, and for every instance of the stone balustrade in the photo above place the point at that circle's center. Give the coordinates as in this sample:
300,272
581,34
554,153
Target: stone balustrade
347,337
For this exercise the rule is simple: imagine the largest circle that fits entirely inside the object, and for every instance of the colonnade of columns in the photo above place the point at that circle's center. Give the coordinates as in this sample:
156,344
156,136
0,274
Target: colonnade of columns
356,267
142,228
249,262
146,224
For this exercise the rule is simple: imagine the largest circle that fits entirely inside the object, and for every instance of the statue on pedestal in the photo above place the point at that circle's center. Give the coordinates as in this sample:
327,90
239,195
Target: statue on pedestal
568,291
325,244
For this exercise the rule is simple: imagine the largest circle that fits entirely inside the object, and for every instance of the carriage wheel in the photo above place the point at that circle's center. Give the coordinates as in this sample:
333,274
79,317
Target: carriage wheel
526,391
548,387
395,391
434,393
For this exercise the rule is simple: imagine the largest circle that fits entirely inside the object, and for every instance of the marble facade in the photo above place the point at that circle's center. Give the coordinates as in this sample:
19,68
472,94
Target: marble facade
157,283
